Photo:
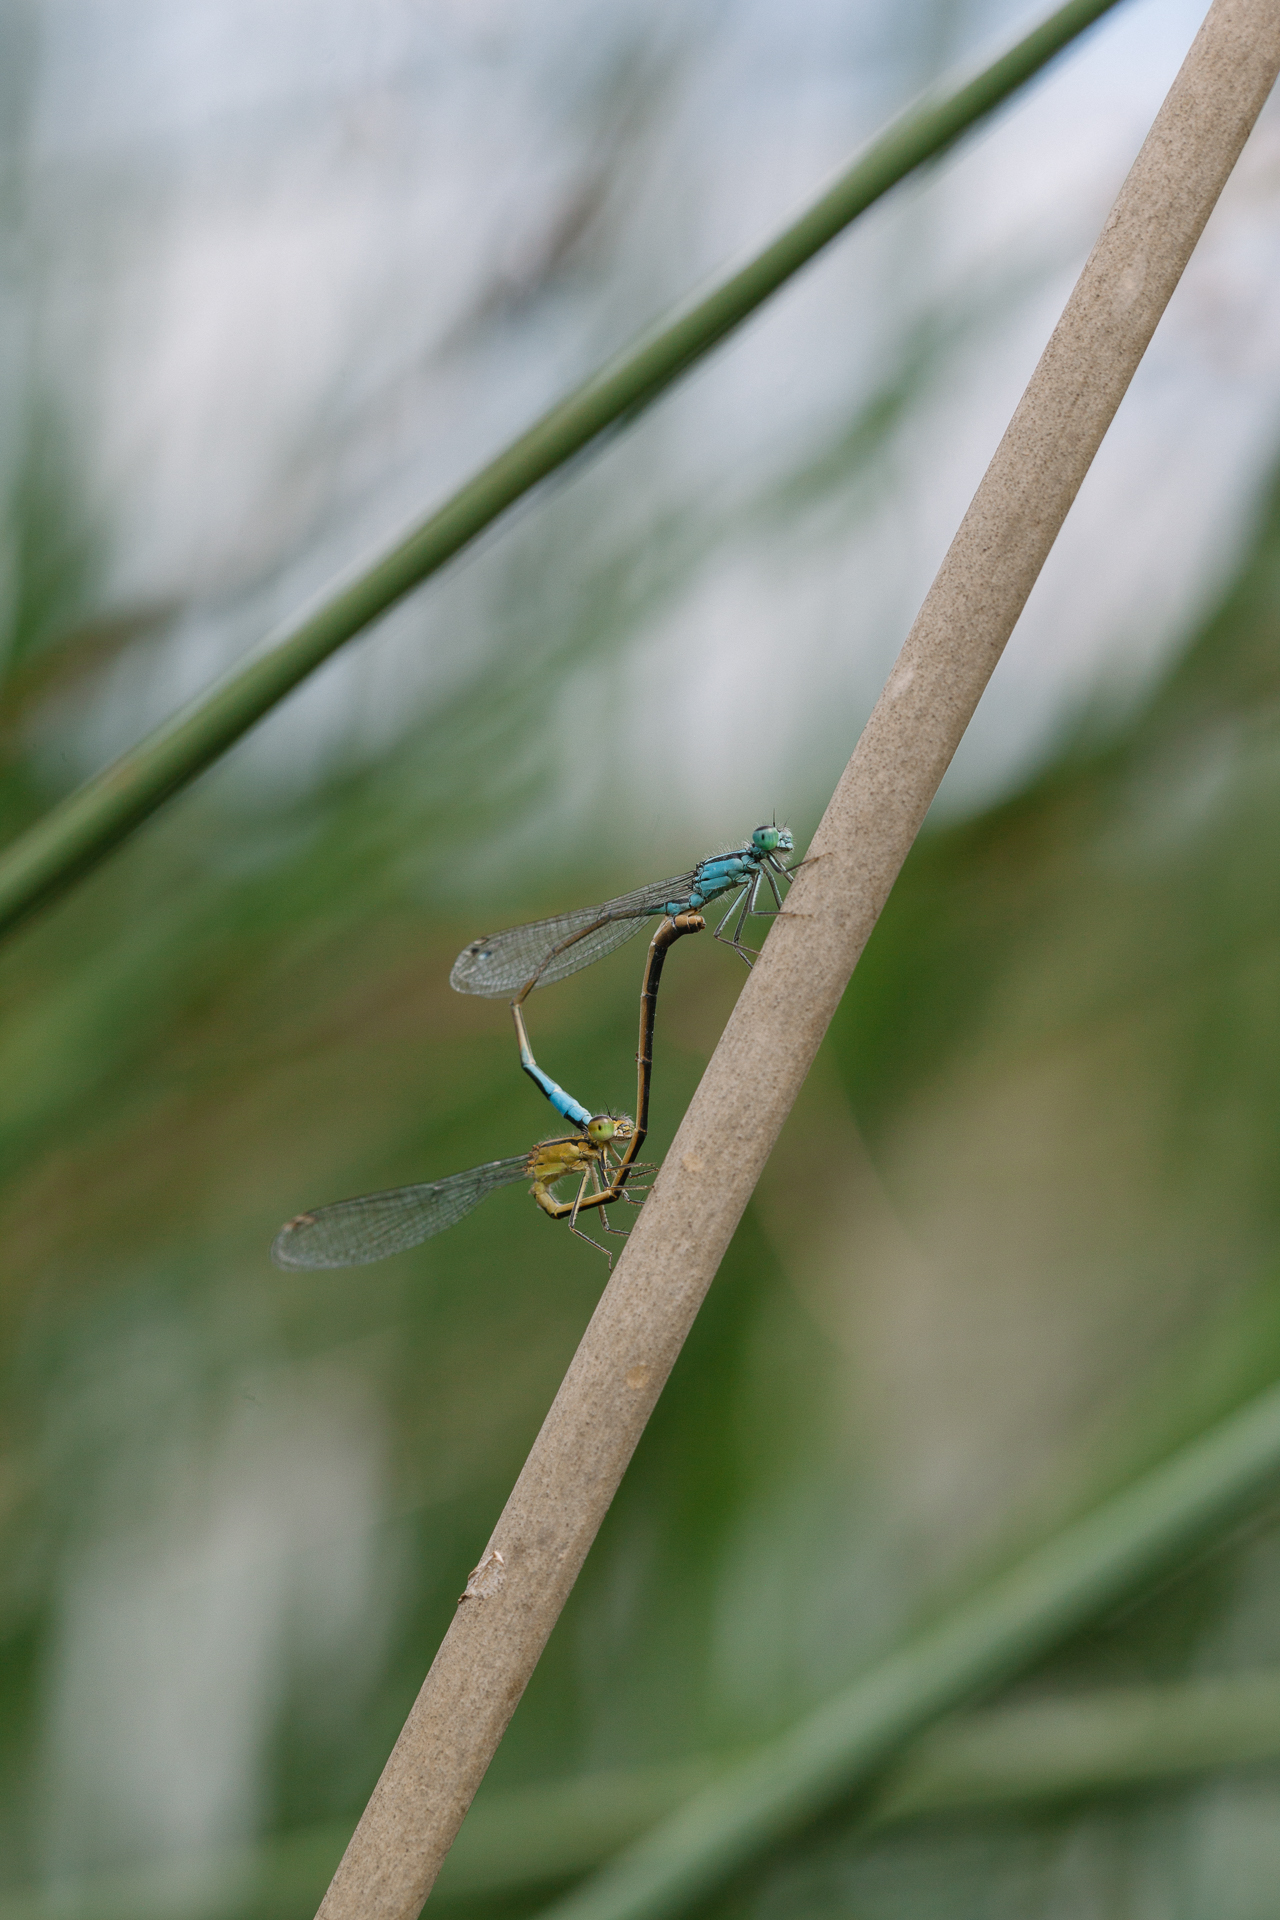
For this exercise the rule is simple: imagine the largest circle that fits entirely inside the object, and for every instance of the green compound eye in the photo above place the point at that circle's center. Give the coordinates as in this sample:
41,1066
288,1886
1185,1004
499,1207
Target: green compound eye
601,1128
767,838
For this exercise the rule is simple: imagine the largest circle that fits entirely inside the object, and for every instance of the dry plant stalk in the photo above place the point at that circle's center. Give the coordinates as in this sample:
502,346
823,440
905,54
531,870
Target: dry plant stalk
631,1344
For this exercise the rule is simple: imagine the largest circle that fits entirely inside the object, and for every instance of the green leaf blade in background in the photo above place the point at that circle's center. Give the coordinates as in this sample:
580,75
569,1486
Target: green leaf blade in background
87,825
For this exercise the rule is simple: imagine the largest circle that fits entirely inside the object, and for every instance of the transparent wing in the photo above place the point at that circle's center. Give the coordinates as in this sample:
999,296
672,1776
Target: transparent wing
352,1232
502,963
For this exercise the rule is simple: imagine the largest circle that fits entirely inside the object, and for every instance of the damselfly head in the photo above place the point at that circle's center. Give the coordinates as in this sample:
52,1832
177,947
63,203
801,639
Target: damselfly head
772,840
603,1127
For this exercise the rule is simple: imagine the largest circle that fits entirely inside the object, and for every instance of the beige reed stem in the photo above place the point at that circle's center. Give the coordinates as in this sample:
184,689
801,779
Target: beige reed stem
646,1311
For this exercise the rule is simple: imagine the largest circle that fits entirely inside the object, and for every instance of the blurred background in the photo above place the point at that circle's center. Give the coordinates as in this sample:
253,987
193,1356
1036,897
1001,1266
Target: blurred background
275,278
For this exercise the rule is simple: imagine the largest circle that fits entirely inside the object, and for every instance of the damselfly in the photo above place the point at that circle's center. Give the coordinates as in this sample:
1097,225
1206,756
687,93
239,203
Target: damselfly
351,1233
542,951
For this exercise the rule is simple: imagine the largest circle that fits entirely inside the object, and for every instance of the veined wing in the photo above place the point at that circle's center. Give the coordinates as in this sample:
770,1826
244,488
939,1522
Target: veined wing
502,963
350,1233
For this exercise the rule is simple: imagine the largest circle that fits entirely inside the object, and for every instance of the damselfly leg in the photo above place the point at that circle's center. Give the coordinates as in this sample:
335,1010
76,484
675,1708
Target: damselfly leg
746,905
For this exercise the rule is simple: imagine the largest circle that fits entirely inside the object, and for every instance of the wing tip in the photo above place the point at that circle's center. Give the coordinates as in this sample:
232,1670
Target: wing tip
282,1247
467,971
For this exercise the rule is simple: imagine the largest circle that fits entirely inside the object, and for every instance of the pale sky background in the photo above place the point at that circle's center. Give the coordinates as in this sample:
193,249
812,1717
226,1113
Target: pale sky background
294,271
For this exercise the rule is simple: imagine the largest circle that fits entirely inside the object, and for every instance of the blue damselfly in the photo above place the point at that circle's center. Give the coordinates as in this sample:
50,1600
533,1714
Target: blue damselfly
542,951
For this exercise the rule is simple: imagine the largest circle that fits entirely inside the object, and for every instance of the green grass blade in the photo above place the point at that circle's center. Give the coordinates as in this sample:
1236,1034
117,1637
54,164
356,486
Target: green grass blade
1086,1746
78,832
1007,1759
1077,1575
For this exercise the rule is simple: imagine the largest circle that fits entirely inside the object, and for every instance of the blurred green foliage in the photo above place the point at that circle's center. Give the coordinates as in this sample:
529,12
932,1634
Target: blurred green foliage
1018,1240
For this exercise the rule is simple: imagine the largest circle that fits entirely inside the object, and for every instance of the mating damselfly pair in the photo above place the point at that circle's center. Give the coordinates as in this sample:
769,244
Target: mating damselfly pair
372,1226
